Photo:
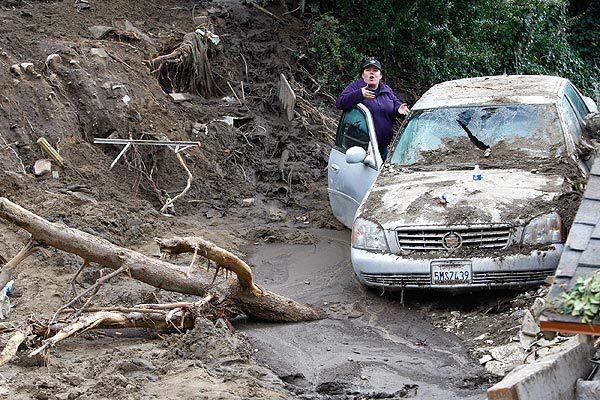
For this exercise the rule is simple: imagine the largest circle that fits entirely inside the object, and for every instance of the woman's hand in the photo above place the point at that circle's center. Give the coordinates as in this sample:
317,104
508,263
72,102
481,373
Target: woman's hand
403,109
367,94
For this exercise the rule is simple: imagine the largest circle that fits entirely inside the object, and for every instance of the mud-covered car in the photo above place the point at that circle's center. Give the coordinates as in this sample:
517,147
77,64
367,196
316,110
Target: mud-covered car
477,190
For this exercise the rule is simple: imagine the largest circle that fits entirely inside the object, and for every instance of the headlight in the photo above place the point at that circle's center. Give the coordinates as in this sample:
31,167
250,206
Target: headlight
368,235
544,229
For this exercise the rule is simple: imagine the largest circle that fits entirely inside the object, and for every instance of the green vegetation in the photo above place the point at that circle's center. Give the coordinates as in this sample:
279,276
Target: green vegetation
428,41
584,299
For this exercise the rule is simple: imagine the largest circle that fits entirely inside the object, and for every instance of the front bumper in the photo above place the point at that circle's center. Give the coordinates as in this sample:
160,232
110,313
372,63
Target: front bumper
391,271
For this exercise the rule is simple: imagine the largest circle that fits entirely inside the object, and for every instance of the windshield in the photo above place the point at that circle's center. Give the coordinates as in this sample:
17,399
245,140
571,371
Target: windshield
475,134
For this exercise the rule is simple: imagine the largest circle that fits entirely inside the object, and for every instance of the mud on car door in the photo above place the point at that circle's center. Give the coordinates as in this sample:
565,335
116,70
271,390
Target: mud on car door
348,182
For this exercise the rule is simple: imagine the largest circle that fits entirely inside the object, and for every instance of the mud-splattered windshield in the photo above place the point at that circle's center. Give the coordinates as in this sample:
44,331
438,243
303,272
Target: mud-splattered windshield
470,134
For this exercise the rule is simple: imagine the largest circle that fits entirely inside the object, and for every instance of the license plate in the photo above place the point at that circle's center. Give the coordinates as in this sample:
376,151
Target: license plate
450,272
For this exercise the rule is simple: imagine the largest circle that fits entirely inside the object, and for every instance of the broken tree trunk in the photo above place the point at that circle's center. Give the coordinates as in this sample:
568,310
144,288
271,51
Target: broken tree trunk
267,306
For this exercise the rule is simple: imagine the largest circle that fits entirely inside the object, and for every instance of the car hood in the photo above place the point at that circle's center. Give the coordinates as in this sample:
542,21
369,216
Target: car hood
415,198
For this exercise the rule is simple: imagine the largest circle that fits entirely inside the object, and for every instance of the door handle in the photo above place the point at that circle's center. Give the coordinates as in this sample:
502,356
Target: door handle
335,168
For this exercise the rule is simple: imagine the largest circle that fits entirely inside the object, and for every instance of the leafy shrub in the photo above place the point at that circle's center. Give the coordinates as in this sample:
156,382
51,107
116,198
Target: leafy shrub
334,52
429,41
584,299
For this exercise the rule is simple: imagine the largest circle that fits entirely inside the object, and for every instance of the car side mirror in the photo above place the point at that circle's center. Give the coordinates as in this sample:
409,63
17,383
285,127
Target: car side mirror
355,155
590,103
370,161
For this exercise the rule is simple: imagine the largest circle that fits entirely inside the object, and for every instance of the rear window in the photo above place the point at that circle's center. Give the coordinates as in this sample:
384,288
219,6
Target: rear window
465,134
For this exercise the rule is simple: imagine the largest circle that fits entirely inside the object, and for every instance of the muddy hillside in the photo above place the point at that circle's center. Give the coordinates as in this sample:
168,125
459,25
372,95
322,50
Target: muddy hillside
72,72
82,73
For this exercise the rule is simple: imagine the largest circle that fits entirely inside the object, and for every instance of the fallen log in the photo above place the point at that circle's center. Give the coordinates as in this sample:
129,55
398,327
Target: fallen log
114,320
158,273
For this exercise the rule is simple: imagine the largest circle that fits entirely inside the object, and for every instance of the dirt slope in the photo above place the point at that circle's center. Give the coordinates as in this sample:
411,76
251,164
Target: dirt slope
277,166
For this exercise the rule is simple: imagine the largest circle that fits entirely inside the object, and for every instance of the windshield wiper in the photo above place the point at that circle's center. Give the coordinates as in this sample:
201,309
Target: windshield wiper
463,120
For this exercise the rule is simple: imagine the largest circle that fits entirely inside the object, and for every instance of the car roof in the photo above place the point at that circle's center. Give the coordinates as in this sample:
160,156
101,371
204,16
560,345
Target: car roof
494,90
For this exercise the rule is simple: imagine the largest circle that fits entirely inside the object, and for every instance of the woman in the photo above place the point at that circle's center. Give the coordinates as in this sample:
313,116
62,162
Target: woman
378,97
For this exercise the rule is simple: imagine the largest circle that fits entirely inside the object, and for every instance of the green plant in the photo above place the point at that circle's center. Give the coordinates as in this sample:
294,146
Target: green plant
584,299
336,57
424,42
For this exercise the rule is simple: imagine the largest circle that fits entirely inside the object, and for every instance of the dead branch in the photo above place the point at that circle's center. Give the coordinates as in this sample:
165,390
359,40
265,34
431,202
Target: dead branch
74,280
267,12
9,269
161,274
11,347
156,316
211,251
110,320
92,289
190,178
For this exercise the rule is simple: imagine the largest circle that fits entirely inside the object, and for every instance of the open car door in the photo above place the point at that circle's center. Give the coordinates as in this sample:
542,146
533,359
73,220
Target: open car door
348,183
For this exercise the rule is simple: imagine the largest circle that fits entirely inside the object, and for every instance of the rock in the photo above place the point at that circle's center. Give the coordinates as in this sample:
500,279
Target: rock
143,363
97,52
42,167
130,27
587,390
82,5
526,340
482,336
529,326
276,215
538,306
506,357
499,368
485,359
53,60
16,69
508,352
74,380
248,202
99,31
180,97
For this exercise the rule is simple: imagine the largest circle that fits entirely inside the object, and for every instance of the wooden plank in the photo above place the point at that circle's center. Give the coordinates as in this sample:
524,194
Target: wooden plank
287,97
570,327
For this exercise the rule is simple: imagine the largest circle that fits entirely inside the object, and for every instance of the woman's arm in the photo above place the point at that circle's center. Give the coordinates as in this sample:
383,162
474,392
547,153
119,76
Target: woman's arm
350,97
399,107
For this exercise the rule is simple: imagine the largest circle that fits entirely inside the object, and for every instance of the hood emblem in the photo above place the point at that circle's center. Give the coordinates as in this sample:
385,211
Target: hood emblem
452,241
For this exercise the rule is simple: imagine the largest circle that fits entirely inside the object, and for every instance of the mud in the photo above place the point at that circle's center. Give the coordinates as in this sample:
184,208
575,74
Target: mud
369,347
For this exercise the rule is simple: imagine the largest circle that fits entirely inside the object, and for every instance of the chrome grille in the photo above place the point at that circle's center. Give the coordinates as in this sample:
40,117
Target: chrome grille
398,279
508,277
429,238
479,278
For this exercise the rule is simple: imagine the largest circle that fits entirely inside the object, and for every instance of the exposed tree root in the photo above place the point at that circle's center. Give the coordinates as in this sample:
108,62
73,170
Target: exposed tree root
186,68
211,251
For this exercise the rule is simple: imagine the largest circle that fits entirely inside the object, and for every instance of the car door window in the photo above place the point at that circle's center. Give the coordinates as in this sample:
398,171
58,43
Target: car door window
352,130
573,124
578,104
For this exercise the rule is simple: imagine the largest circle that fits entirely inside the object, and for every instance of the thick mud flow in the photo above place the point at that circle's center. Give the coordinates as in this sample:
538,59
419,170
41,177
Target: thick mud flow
370,346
